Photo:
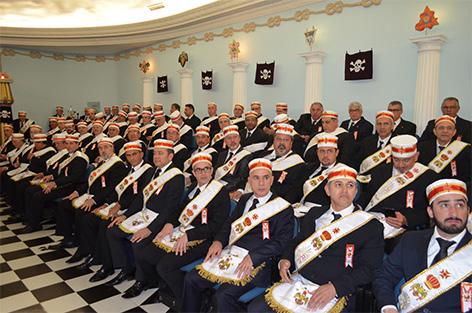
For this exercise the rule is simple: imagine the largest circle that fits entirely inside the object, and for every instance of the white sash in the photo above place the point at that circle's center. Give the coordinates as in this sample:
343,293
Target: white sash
115,138
160,129
179,147
251,219
237,120
28,149
185,129
219,136
12,155
26,126
42,152
56,157
469,223
145,127
323,238
255,147
94,140
261,119
72,157
395,183
102,169
5,143
436,280
224,169
209,120
375,159
156,184
138,221
286,162
188,215
52,131
294,297
23,175
18,170
84,136
314,140
447,155
130,179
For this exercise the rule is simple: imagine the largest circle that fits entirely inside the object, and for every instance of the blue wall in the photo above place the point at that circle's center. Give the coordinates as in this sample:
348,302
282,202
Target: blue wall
386,29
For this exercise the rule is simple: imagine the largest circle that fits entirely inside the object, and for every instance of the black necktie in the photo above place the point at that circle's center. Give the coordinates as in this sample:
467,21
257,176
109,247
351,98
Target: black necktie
380,145
336,216
254,204
443,246
132,170
441,148
352,125
157,173
248,134
196,193
230,155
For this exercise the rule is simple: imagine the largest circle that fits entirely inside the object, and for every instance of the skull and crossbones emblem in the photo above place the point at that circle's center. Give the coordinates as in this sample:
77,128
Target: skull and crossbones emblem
265,73
206,81
5,114
357,66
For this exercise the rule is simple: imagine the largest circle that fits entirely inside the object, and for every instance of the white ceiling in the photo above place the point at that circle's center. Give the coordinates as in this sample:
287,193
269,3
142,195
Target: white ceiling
110,40
87,13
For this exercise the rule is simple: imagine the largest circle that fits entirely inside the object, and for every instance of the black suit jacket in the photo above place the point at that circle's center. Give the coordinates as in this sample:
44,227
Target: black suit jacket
217,214
38,164
462,162
213,125
318,195
415,216
305,127
405,128
238,179
463,127
103,189
165,202
347,147
75,171
329,266
281,231
368,146
362,129
128,195
193,122
409,258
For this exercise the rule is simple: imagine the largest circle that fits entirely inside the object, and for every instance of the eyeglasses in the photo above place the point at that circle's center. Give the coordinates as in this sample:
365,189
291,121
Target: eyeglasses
202,170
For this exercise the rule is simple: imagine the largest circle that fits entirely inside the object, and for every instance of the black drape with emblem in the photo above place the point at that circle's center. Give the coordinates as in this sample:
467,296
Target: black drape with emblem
358,65
162,84
207,80
265,73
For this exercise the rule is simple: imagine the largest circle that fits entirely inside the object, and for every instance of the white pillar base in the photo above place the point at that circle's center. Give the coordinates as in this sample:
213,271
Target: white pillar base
313,77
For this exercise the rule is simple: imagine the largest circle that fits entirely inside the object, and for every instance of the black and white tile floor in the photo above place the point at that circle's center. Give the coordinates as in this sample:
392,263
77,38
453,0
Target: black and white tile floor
33,279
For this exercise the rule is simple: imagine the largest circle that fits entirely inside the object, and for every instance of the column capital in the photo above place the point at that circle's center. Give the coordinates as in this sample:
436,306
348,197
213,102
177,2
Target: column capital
429,43
147,78
185,72
238,66
313,56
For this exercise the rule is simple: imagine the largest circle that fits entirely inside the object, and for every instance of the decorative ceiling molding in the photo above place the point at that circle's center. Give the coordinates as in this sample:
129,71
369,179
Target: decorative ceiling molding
156,33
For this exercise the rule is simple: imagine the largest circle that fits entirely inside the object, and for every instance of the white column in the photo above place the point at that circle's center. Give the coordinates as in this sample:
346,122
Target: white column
313,77
148,90
239,82
427,78
186,88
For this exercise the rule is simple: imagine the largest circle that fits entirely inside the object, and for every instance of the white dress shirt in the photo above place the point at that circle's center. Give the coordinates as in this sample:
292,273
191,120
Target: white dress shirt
327,217
262,201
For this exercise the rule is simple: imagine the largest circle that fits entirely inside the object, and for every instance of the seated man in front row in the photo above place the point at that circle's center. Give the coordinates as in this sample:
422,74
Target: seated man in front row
261,225
435,263
338,249
188,234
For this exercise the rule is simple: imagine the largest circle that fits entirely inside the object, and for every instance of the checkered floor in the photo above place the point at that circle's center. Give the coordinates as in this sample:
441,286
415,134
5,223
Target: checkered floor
36,280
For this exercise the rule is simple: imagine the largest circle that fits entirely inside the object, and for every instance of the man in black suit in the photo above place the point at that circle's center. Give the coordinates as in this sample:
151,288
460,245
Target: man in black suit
232,164
400,126
450,106
185,131
396,191
331,259
181,153
253,138
217,141
357,125
261,225
190,118
97,192
309,124
447,157
238,118
287,166
187,234
22,124
313,194
57,185
148,213
211,121
347,146
424,259
262,121
375,149
59,111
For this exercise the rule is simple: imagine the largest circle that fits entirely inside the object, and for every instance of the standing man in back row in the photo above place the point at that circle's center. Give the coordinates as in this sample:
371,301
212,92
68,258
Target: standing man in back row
357,125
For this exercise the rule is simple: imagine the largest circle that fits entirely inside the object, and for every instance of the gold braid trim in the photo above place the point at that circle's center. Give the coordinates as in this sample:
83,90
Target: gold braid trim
125,229
279,308
190,245
221,280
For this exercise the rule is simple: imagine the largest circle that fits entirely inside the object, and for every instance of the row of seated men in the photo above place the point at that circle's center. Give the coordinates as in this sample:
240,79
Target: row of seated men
142,204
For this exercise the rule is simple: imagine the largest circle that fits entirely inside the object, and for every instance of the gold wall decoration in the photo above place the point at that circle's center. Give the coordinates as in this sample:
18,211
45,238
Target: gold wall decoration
331,8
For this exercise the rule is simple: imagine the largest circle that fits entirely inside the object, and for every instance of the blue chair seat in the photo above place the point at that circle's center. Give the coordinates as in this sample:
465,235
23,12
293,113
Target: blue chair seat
187,268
